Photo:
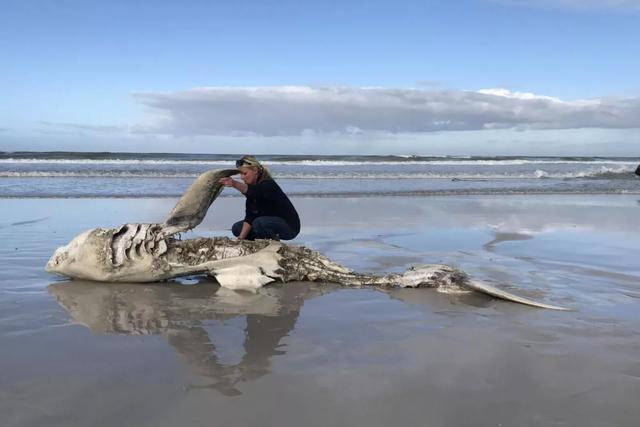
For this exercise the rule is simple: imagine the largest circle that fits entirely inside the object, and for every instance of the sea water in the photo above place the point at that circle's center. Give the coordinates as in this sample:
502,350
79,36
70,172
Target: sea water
76,174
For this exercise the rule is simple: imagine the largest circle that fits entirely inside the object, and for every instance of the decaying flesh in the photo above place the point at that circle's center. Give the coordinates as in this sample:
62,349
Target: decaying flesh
149,253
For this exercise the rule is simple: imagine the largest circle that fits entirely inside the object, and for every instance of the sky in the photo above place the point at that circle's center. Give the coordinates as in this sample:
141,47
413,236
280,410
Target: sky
458,77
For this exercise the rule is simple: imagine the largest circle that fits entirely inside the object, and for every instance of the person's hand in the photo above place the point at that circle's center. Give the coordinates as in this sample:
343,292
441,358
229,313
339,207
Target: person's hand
227,182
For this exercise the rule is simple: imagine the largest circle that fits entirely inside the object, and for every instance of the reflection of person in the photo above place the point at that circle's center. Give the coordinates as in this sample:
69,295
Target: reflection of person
181,313
269,212
262,339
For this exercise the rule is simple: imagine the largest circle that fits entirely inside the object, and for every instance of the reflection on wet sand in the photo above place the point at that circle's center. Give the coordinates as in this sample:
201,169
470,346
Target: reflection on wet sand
178,312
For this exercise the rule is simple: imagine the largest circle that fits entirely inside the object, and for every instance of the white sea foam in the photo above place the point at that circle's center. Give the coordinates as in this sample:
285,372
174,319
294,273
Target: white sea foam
93,174
309,162
220,163
452,162
605,172
146,175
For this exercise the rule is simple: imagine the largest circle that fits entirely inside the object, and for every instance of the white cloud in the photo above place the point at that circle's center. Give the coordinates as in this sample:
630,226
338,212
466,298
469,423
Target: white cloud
516,95
296,110
82,127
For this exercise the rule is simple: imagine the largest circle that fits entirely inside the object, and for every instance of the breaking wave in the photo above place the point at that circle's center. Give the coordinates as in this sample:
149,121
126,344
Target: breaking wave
619,172
226,161
31,174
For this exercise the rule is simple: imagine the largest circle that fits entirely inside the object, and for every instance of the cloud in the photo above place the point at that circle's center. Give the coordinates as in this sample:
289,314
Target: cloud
83,127
296,110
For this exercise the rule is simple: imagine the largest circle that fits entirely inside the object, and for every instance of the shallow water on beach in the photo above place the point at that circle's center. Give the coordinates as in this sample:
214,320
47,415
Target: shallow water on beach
190,352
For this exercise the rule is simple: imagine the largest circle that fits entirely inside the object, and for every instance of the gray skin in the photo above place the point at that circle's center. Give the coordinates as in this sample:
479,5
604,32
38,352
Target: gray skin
150,253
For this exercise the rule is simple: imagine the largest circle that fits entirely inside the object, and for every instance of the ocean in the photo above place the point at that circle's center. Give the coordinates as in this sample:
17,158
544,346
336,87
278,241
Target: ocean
143,175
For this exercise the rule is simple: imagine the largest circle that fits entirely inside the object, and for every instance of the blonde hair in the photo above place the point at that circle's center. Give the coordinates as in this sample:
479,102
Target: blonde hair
252,163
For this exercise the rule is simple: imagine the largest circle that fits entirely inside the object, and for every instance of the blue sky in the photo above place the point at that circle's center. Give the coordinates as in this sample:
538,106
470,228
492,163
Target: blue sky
387,77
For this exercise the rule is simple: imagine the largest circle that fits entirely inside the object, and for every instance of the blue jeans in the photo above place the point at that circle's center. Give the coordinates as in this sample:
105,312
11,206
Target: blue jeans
266,227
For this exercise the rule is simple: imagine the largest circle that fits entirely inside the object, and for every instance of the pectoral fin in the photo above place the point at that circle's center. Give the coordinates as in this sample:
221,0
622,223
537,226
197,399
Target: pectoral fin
248,272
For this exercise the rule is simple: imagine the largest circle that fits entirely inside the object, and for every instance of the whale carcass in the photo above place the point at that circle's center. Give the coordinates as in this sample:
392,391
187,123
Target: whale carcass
152,252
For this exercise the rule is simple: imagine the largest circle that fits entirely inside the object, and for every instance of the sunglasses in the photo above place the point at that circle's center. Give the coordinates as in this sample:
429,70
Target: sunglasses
241,162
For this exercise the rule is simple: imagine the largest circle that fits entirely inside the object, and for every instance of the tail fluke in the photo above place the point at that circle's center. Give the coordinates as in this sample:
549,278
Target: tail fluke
485,288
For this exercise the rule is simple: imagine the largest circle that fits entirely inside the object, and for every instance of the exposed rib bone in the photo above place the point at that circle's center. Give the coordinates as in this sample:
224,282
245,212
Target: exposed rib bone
121,242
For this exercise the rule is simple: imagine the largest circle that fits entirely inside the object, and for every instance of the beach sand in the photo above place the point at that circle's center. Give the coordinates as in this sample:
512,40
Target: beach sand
192,353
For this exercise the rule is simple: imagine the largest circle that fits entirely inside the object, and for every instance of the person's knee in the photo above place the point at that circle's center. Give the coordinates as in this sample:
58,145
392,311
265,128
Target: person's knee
259,227
236,228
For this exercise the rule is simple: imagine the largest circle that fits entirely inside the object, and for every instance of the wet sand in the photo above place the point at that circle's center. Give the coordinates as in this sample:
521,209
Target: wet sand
191,353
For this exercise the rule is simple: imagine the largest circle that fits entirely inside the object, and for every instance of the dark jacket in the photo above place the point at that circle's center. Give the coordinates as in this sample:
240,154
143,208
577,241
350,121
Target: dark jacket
266,198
